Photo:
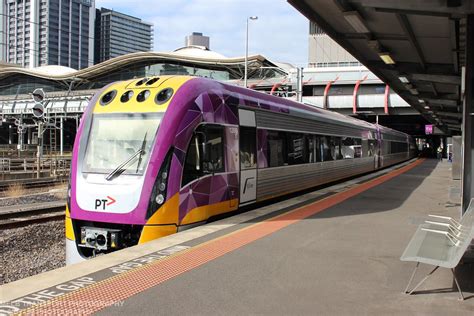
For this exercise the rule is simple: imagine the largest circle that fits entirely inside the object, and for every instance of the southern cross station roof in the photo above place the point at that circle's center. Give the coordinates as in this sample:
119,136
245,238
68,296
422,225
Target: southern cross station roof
193,55
76,86
416,47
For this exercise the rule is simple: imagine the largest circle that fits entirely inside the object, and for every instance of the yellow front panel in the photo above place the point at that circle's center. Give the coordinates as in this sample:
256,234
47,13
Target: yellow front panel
68,224
151,232
167,213
202,213
133,106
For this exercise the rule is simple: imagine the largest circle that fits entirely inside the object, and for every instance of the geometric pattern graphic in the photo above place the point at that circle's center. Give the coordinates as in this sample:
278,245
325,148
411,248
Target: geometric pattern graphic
210,106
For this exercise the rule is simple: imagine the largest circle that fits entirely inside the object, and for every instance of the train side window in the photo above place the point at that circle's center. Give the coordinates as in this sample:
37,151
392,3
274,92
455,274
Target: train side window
325,148
385,147
351,148
276,149
213,155
192,166
296,148
205,153
311,148
337,145
248,146
372,147
365,148
318,148
398,147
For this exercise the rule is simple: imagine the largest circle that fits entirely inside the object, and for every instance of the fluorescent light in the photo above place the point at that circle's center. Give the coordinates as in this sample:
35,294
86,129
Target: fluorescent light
403,79
421,100
413,91
427,107
387,58
355,20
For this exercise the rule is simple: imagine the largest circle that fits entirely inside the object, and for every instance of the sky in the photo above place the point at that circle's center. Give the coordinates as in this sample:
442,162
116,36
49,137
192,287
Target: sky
280,33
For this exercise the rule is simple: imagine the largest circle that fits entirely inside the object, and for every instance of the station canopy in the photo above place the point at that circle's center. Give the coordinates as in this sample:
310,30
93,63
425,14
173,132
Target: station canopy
417,47
190,60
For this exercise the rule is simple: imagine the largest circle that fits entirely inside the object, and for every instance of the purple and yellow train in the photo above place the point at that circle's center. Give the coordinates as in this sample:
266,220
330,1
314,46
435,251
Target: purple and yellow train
157,155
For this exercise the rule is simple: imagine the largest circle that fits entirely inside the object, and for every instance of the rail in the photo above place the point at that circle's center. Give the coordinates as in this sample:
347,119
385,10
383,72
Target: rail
24,215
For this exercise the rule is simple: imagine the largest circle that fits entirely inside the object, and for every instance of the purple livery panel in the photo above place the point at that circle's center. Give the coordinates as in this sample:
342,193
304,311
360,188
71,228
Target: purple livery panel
196,101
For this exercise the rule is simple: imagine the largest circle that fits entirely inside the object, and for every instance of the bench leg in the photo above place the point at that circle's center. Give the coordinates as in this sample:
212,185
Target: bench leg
411,278
424,279
461,296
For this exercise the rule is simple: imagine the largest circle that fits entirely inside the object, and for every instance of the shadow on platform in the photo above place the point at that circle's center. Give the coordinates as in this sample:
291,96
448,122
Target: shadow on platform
465,276
384,197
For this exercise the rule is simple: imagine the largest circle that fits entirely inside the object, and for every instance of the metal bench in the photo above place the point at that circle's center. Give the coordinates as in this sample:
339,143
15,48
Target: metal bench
441,242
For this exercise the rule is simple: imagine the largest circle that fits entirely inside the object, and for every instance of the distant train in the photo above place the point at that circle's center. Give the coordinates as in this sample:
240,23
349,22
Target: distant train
157,155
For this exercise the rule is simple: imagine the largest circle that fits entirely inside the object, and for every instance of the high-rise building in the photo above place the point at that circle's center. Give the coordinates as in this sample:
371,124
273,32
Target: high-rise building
325,52
50,32
119,34
3,34
197,39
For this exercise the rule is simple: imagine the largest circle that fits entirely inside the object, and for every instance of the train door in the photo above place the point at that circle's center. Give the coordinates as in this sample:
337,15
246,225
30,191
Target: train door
248,157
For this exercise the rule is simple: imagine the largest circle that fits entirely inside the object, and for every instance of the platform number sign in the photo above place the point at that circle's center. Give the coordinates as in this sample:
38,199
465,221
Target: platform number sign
428,129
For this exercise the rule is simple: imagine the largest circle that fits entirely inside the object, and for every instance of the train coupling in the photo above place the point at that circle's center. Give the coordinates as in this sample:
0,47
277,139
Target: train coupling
100,238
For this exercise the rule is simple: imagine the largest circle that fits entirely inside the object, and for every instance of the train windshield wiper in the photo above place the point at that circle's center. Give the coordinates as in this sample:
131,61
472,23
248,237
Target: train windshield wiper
142,151
121,168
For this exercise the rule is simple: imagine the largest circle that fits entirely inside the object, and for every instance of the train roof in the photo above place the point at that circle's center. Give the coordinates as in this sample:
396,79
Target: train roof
312,110
248,98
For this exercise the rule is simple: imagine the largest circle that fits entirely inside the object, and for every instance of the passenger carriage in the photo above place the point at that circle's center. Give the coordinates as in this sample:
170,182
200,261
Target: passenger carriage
157,155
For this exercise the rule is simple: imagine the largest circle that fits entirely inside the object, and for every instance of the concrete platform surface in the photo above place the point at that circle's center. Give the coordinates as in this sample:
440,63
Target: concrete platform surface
336,255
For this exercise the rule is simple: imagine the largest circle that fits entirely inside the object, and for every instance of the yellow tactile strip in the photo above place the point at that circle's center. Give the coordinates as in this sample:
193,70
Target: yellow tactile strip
120,287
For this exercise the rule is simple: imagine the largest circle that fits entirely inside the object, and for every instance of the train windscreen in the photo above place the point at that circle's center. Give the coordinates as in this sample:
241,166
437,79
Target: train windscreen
120,143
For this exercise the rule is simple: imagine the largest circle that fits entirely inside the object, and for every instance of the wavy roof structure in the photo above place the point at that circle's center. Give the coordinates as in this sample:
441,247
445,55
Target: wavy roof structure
193,55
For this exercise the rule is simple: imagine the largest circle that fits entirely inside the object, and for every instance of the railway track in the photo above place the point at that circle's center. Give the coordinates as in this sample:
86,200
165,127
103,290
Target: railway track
31,183
24,215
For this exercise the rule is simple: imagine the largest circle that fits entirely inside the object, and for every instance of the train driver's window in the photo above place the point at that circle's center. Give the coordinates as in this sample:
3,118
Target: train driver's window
213,156
192,166
205,153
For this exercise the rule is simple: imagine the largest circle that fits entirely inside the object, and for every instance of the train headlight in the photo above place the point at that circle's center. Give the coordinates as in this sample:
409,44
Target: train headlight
158,193
162,186
160,199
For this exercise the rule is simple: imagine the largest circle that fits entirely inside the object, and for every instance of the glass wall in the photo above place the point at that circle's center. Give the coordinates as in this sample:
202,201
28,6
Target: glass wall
23,84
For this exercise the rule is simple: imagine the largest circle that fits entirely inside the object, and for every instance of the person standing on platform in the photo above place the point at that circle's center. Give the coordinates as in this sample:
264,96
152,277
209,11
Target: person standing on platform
440,153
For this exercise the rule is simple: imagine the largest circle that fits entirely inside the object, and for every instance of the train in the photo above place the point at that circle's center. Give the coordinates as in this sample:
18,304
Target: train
154,156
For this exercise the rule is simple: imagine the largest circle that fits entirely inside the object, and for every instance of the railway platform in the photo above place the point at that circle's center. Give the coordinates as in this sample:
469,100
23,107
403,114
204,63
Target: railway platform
331,251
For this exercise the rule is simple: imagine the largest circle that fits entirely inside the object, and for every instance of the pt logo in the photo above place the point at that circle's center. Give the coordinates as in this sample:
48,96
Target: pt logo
104,202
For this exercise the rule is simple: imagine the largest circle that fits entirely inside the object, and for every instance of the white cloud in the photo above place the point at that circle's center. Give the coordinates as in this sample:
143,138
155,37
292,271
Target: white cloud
280,33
